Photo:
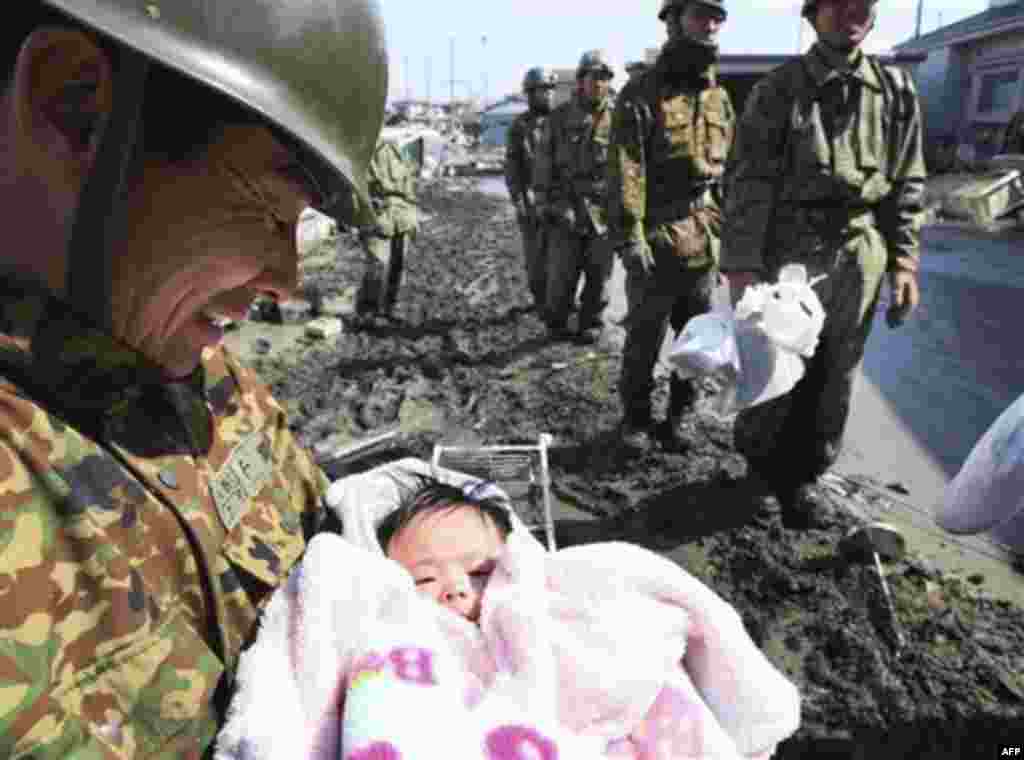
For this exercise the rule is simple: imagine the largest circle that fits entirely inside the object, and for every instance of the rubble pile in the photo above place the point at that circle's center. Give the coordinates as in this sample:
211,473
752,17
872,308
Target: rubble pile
468,361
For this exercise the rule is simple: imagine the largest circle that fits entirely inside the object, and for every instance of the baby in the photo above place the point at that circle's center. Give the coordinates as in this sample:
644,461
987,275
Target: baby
449,540
440,628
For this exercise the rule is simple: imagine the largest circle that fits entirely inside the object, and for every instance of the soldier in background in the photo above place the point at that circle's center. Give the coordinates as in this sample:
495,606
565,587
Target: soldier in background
392,184
570,183
520,152
671,133
635,69
153,495
827,172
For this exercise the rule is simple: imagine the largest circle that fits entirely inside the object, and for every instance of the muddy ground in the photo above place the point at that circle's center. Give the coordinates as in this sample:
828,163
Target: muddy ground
468,361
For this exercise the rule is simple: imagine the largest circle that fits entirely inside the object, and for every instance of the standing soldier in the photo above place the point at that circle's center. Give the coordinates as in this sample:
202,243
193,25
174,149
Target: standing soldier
570,184
827,172
392,184
670,137
520,152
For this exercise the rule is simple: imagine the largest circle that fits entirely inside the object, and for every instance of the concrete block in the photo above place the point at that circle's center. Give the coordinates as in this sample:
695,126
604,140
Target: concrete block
323,328
295,312
339,306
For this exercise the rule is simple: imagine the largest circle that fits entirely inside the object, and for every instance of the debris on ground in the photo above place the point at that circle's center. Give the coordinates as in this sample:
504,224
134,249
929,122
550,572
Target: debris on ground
467,360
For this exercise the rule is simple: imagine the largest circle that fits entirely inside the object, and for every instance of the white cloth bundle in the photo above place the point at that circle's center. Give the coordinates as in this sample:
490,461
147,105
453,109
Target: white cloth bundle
597,651
987,493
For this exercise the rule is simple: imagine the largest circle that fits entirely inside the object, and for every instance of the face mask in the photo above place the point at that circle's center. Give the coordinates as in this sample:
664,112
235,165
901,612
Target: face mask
682,58
539,103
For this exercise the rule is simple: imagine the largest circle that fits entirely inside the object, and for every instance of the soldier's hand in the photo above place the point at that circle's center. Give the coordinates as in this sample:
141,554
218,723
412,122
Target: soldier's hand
637,257
739,282
904,298
529,200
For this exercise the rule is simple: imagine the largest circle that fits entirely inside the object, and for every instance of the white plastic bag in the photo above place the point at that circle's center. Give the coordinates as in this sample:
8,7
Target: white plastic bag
706,346
789,311
759,350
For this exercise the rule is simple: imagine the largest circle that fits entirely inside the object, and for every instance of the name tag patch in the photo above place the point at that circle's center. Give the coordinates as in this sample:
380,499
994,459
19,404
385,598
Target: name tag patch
247,470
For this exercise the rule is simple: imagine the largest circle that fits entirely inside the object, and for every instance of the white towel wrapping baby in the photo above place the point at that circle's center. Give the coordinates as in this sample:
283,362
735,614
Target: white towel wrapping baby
598,651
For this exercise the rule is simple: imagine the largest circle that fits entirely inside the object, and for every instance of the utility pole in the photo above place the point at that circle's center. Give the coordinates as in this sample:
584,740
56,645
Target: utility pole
451,70
428,80
483,46
407,78
920,11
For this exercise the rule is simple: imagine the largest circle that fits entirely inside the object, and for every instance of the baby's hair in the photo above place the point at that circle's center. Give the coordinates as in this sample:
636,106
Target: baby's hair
429,494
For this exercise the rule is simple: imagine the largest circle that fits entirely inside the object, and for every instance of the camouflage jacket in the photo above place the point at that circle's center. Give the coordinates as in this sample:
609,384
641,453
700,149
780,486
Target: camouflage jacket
668,151
143,525
521,145
570,172
817,148
392,182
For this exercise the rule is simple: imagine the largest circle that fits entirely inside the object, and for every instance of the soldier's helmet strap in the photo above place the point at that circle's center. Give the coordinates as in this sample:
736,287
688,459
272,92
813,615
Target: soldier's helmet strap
98,217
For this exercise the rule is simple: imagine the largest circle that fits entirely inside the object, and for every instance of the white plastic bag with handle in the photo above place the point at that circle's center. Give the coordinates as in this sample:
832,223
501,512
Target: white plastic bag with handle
758,350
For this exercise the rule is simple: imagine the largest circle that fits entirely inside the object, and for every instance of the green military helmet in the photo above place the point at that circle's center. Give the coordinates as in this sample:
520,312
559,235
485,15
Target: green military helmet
539,78
668,5
594,60
314,69
810,7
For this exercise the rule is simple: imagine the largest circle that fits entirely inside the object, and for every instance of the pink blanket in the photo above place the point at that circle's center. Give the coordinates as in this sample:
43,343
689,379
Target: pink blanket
598,651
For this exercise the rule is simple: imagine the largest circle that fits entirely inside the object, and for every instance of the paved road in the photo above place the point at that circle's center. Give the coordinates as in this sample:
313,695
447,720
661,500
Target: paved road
945,376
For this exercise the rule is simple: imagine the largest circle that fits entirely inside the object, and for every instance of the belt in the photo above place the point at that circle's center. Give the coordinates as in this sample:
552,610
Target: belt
833,216
679,208
590,188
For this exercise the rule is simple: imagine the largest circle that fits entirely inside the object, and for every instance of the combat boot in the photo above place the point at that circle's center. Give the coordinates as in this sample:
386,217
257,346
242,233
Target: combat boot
635,430
801,508
683,395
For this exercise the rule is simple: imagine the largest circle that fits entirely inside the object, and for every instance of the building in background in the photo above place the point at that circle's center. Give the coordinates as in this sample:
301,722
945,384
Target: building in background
495,121
971,81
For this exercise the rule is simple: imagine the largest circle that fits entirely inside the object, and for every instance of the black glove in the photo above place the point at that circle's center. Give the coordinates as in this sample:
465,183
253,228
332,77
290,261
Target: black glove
637,257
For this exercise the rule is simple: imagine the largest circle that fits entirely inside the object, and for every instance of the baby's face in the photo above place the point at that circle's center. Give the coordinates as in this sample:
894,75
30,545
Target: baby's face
451,555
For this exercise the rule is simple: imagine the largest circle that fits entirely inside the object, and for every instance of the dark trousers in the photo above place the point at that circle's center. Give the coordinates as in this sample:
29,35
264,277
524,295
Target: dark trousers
671,294
791,440
385,259
570,255
534,235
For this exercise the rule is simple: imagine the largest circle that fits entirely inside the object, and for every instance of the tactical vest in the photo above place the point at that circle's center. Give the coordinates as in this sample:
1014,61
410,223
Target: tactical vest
582,154
524,138
533,131
688,146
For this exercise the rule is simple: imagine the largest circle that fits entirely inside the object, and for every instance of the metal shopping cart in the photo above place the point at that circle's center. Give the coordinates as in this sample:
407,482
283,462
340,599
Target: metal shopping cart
520,470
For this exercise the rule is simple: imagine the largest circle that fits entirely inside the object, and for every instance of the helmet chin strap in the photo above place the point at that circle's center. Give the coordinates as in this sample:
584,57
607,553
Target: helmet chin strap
88,284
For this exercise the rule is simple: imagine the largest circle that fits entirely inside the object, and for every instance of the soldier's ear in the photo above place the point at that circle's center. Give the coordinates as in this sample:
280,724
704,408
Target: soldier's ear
60,95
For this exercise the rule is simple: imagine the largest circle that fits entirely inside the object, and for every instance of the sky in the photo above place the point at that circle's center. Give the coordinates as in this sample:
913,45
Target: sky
495,42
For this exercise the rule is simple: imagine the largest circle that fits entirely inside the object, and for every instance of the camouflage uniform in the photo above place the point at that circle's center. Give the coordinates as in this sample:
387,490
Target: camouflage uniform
826,171
392,183
523,140
143,526
569,178
668,152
